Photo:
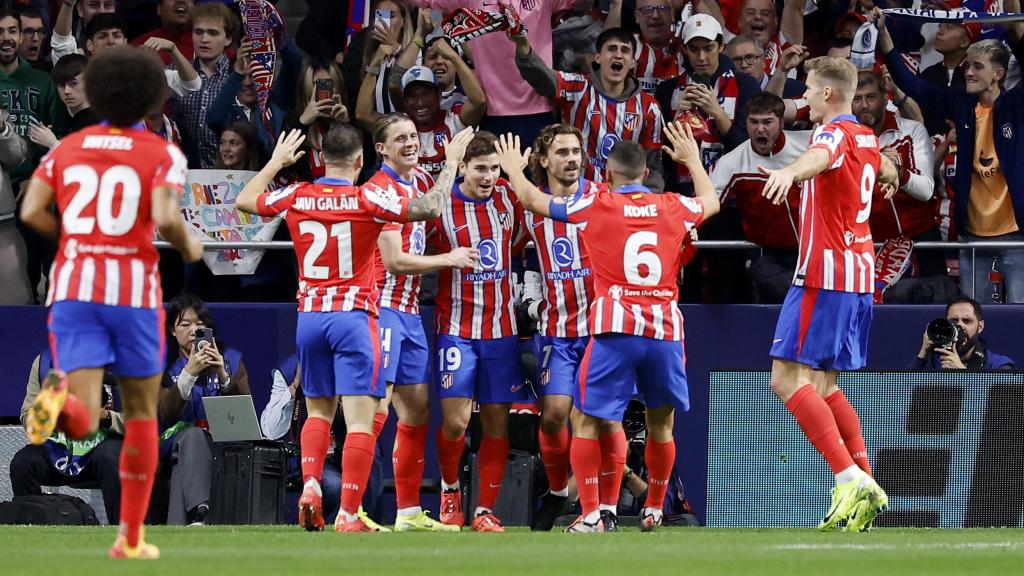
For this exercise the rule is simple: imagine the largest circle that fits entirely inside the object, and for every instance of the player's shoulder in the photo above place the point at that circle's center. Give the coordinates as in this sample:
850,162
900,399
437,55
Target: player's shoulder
589,188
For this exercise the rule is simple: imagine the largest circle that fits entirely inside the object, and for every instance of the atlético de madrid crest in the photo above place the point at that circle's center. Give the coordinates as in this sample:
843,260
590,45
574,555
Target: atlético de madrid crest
505,219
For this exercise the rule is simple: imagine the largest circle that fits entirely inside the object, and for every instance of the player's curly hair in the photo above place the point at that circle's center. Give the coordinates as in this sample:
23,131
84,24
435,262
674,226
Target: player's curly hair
125,84
543,143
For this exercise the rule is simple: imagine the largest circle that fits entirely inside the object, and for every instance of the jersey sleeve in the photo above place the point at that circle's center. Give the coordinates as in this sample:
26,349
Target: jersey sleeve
690,210
573,211
571,87
385,204
46,169
276,201
172,171
654,123
831,139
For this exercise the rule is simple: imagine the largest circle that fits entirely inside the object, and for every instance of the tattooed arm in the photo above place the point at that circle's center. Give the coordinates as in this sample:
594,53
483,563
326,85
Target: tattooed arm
430,205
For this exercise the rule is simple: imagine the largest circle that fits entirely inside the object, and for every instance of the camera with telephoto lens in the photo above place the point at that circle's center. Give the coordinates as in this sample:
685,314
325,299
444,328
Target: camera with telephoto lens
945,334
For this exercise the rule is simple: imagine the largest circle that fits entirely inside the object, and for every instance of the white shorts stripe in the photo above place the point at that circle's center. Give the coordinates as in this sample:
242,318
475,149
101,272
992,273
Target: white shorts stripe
138,271
112,288
86,280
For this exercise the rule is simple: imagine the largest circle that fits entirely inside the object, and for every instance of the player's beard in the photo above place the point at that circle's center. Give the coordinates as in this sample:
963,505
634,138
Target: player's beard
5,58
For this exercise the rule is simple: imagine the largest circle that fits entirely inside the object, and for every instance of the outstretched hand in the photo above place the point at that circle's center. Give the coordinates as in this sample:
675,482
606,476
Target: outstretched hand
455,149
287,152
684,147
778,184
509,155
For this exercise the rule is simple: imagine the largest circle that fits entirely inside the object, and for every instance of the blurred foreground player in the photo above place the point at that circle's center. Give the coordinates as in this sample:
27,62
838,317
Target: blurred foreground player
824,322
336,226
112,183
634,239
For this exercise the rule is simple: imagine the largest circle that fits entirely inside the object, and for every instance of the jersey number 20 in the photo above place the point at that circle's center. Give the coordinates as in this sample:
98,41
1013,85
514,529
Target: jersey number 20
103,189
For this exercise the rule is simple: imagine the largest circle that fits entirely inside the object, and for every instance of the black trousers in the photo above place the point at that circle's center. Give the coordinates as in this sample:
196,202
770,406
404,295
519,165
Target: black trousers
31,469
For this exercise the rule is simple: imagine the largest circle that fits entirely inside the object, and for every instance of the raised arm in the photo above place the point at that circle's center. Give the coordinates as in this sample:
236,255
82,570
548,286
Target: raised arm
614,18
537,74
792,24
685,151
476,102
513,162
285,154
366,111
430,205
398,261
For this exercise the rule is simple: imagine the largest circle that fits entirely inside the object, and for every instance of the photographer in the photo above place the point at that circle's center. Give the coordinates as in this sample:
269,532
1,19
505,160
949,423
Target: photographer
955,343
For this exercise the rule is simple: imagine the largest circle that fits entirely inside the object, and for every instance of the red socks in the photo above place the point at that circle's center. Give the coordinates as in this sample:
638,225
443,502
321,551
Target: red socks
408,460
660,458
137,469
379,419
356,461
849,428
492,457
314,441
449,454
586,465
554,452
613,459
75,418
819,426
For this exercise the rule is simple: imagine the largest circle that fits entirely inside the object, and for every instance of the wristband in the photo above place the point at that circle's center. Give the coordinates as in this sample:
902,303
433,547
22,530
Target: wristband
419,42
373,70
902,101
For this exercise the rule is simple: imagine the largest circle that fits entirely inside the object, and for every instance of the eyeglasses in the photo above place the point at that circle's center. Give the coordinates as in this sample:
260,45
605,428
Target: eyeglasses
649,11
33,32
749,59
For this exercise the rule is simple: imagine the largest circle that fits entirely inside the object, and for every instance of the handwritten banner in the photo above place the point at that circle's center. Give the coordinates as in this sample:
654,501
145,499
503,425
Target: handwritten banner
208,206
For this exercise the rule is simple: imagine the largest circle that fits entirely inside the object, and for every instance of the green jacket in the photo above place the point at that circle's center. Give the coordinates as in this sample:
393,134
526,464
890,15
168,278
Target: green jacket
29,92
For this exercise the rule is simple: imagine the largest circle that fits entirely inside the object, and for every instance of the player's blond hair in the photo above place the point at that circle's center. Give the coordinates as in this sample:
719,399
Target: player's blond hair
839,73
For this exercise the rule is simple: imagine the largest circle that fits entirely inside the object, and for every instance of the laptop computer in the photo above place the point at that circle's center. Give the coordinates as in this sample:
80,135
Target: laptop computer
232,418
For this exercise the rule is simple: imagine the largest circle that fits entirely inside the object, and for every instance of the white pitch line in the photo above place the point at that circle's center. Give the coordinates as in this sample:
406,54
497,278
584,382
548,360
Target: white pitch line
852,546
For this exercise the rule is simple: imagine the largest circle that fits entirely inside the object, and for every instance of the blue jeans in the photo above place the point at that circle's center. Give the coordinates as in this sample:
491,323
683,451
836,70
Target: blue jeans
974,271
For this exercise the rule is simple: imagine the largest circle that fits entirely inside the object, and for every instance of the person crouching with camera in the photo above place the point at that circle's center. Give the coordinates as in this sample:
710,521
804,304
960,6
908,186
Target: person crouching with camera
955,343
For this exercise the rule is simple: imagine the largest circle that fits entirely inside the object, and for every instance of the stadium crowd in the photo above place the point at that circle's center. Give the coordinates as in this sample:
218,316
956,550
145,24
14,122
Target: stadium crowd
730,68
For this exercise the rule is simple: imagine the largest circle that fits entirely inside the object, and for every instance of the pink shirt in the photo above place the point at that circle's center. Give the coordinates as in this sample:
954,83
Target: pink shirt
494,55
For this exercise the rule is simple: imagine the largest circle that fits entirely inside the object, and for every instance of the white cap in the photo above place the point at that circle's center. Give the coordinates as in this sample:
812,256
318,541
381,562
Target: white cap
701,26
418,74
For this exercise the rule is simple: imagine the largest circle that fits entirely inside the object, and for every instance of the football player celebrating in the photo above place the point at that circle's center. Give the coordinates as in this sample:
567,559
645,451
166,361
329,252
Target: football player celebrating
112,183
477,347
335,226
634,240
405,356
824,322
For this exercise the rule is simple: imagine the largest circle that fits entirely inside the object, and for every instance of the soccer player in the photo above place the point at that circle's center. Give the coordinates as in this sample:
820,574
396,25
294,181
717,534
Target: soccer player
824,322
405,354
558,296
607,106
112,184
335,226
634,240
477,347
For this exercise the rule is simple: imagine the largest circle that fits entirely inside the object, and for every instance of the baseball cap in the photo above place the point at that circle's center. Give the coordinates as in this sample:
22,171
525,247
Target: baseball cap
701,26
418,74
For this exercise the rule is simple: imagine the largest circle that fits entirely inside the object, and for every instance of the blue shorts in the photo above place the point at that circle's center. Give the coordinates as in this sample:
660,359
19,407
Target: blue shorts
405,357
617,366
823,329
131,341
558,359
339,354
489,370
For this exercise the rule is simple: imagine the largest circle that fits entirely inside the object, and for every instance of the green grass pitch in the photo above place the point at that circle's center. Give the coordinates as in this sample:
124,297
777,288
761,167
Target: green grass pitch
259,551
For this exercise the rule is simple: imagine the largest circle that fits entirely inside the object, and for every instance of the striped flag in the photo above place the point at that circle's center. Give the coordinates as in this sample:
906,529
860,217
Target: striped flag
264,28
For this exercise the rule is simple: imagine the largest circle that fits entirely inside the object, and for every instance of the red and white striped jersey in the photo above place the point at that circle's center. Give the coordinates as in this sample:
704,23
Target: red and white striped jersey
604,121
402,292
836,248
736,174
103,180
334,226
432,142
565,268
634,239
656,64
478,303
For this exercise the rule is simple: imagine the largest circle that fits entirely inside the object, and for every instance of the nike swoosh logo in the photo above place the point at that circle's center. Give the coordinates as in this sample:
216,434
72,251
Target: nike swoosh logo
459,229
607,473
494,485
538,224
777,340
